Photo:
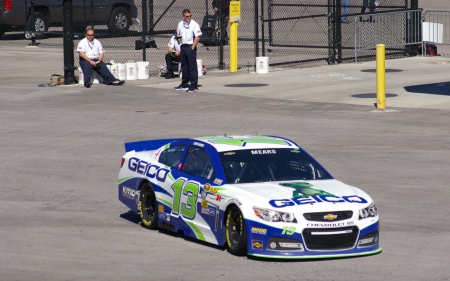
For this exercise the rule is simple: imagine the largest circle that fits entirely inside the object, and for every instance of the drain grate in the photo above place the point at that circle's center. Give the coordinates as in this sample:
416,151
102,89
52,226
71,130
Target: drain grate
387,70
372,96
246,85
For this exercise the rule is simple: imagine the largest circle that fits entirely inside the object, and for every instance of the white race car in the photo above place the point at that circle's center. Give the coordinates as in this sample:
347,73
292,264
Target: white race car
257,195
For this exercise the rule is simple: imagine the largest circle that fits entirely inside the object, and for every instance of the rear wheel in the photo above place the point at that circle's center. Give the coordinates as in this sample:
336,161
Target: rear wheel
41,24
147,207
119,21
235,232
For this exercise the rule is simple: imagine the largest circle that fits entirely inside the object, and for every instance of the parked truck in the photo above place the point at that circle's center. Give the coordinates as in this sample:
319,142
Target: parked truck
17,14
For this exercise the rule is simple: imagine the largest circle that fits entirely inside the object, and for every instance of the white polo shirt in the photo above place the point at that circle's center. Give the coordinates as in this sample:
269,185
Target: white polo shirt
188,31
92,49
174,44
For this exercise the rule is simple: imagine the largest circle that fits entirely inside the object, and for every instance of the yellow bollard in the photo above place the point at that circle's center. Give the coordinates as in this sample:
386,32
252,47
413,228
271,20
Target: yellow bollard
381,76
233,47
235,18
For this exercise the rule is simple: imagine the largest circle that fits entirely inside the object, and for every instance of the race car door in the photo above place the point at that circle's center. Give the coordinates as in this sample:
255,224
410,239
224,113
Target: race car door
192,204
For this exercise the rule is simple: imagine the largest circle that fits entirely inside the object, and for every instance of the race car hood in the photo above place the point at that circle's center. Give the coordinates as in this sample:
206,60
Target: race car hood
284,194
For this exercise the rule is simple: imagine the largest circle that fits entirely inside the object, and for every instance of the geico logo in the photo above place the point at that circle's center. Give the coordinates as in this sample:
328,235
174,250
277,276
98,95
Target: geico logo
281,203
150,170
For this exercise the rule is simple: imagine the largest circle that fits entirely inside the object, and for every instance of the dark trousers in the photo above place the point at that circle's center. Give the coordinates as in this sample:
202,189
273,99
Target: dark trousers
370,3
188,58
169,60
104,72
224,24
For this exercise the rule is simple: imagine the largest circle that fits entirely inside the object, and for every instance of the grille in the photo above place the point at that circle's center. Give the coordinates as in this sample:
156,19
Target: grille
342,215
330,239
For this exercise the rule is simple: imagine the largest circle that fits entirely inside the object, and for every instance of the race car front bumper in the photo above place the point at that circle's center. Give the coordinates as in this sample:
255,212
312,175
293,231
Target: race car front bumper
311,243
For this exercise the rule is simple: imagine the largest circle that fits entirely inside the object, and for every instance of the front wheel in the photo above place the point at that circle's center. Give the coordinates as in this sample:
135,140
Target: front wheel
147,207
235,232
119,21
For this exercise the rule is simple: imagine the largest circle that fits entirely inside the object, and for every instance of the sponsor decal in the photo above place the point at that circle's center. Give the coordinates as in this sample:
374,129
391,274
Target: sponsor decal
198,144
214,197
204,204
160,208
331,224
209,211
157,153
330,217
213,190
281,203
150,170
264,151
229,153
259,230
257,244
218,181
237,201
206,187
304,189
128,192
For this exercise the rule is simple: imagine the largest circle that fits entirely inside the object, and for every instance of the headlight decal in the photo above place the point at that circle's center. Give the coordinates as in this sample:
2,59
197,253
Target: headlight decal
274,216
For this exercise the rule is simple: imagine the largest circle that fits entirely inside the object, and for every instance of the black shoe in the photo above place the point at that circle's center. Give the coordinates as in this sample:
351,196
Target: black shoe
118,82
170,75
87,84
192,89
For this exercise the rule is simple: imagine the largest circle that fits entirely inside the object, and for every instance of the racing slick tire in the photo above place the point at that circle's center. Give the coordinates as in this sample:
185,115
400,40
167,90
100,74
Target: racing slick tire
235,232
147,206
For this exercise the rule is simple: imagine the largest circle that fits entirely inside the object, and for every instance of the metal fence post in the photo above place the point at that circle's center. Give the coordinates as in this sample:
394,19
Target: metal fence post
144,29
68,42
256,35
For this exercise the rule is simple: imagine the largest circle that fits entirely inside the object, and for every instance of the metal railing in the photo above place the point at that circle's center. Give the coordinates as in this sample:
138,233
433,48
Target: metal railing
437,30
396,30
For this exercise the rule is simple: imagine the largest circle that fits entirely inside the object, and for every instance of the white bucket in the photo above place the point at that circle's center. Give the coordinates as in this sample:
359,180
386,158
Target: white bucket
122,71
200,67
262,65
96,78
142,70
131,71
114,71
80,76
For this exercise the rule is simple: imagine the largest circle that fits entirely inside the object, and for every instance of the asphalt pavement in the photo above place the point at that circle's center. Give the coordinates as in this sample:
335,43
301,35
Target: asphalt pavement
61,149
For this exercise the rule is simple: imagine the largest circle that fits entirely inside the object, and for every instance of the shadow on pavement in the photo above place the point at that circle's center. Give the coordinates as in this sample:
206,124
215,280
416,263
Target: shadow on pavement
432,89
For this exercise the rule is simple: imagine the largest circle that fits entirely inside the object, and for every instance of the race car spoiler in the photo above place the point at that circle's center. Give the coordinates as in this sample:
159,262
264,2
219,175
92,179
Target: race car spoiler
146,145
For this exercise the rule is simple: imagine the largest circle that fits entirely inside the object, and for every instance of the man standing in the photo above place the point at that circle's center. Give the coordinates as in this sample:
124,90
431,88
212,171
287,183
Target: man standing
371,4
91,58
173,54
224,20
190,32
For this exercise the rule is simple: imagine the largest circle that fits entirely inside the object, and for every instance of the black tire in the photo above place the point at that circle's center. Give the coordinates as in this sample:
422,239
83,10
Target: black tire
235,232
41,24
119,21
147,207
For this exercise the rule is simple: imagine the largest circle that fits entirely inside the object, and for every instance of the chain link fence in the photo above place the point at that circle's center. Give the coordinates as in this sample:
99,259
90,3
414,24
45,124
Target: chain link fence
289,32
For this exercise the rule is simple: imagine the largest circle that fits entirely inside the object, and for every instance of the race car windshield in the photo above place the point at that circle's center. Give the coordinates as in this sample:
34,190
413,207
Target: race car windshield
265,165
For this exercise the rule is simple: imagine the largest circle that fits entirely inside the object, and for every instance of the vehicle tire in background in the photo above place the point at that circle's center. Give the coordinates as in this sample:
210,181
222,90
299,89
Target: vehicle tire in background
120,20
235,232
147,206
41,24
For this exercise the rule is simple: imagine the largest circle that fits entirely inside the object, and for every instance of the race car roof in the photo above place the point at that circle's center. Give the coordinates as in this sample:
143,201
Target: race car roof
235,142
